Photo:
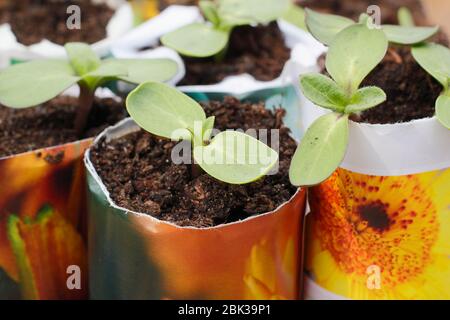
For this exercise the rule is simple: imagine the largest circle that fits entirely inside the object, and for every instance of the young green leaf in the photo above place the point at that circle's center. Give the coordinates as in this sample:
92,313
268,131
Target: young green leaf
405,17
197,40
162,110
82,57
435,59
321,150
236,158
296,16
143,70
323,91
32,83
324,27
209,10
238,12
408,35
353,54
443,110
364,99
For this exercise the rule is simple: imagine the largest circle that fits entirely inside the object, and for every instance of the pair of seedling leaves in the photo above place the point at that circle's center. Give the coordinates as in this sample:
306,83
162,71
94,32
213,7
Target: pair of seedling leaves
433,58
32,83
211,37
230,156
355,49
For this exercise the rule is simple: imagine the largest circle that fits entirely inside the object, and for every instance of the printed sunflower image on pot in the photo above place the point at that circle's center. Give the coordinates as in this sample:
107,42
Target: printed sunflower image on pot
188,201
378,164
42,202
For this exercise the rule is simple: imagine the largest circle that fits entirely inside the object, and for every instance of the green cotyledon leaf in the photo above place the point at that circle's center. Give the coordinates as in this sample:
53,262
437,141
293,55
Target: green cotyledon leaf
324,27
353,54
236,158
408,35
197,40
443,110
365,98
35,82
164,111
237,12
82,57
324,92
435,59
405,17
321,150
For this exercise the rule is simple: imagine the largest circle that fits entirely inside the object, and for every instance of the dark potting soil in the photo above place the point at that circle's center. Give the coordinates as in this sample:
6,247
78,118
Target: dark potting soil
352,9
411,91
260,51
51,124
140,176
35,20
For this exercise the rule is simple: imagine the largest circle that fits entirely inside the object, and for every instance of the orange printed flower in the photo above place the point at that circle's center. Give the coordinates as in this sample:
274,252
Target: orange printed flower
401,225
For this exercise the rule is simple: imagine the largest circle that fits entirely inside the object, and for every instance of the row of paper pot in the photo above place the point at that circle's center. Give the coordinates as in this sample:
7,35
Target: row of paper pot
58,243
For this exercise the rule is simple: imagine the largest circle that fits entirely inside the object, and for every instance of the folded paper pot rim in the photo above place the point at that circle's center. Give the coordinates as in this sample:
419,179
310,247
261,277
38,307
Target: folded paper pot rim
176,16
121,22
135,256
379,227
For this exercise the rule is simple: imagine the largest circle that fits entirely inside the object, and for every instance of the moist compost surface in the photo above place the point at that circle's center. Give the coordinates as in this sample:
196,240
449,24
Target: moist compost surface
411,91
35,20
140,176
353,9
51,124
260,51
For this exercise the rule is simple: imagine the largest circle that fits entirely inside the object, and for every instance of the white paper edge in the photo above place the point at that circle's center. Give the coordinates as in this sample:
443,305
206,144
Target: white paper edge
127,126
121,22
312,291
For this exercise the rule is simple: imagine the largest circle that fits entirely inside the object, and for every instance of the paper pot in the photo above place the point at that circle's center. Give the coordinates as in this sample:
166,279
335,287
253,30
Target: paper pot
11,51
135,256
379,228
43,223
43,231
174,17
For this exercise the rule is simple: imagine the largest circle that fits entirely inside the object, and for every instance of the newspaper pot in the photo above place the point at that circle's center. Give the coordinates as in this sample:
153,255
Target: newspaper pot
135,256
12,51
379,228
43,223
148,34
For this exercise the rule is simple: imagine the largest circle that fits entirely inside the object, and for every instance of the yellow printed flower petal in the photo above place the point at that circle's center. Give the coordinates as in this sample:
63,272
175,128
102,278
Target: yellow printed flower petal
398,224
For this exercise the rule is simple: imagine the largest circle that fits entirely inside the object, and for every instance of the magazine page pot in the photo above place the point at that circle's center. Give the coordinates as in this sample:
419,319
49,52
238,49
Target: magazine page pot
135,256
148,34
12,51
43,224
43,231
379,227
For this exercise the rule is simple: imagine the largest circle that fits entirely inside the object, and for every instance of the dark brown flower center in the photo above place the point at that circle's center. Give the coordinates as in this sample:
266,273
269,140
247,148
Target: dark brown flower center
375,214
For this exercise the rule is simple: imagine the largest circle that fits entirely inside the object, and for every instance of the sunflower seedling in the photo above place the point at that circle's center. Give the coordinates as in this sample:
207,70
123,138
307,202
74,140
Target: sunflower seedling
352,55
230,156
32,83
324,27
435,59
201,40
